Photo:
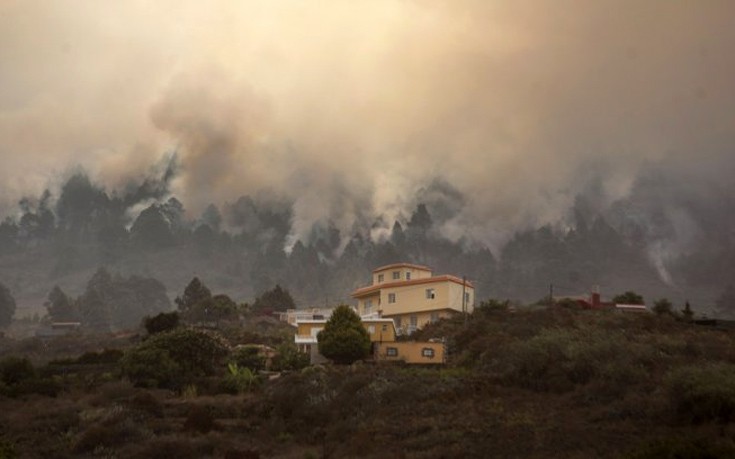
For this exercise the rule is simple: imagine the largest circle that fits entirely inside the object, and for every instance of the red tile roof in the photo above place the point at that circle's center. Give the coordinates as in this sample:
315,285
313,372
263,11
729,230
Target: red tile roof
430,280
402,265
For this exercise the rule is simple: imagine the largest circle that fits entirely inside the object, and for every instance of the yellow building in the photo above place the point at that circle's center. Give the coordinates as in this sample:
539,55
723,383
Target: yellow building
384,345
413,297
431,352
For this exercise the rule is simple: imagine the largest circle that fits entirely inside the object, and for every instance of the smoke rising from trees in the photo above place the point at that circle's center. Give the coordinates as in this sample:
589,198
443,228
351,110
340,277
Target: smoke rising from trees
351,109
316,128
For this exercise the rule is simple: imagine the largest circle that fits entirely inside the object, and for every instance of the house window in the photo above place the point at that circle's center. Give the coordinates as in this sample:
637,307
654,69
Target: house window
385,328
371,329
466,297
434,316
408,275
391,351
380,278
430,294
398,322
368,306
396,275
391,298
427,352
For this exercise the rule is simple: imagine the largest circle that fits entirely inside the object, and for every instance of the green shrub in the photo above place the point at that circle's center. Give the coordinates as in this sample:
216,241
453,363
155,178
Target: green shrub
197,352
344,338
703,393
288,358
148,366
174,358
239,380
248,357
560,359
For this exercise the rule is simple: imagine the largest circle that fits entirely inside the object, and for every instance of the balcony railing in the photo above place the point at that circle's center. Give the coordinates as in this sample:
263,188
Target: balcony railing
305,339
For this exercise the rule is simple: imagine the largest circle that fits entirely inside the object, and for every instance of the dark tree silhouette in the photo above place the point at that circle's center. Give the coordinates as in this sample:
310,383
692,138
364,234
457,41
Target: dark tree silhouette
194,293
628,298
60,307
162,322
7,306
277,299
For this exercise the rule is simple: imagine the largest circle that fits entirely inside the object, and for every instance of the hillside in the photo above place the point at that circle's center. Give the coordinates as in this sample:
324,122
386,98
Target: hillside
533,383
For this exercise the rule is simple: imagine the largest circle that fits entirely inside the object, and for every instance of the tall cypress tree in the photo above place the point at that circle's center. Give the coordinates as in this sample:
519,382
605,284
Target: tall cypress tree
344,338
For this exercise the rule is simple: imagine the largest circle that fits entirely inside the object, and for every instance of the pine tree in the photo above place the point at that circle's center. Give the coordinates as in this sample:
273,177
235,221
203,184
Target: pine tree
60,307
194,293
7,306
277,299
687,311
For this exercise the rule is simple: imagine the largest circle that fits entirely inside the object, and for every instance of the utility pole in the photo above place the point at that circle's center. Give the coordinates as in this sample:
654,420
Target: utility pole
551,294
464,300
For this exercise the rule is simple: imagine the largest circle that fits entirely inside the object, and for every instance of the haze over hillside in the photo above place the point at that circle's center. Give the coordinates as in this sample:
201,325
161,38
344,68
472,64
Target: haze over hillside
578,144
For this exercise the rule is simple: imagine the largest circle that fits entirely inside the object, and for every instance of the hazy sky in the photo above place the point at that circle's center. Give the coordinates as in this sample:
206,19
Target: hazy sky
352,106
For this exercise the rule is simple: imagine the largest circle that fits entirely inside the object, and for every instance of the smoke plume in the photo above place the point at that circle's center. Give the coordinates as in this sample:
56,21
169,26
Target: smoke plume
352,109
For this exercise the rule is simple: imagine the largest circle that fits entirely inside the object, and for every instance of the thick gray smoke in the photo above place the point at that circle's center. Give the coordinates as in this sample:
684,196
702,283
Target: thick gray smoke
352,109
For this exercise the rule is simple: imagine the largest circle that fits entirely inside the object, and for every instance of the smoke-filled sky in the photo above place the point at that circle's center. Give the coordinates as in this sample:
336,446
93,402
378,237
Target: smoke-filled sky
353,107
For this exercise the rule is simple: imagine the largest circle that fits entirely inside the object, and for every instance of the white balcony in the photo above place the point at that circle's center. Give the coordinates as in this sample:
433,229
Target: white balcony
305,339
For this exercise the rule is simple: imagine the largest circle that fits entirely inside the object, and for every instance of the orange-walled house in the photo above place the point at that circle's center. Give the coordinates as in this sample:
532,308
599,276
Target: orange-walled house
413,297
383,338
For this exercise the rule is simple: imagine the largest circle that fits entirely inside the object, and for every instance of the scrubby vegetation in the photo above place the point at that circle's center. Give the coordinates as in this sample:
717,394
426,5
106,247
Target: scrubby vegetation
522,382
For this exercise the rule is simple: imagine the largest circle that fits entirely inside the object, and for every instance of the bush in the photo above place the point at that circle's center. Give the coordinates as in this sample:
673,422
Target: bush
492,307
703,393
116,428
15,369
558,360
663,307
148,366
146,403
198,353
288,358
173,358
41,386
163,322
248,357
107,356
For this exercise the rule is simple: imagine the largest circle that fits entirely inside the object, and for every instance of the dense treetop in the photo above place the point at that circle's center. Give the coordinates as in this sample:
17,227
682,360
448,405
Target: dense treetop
7,306
246,247
344,338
